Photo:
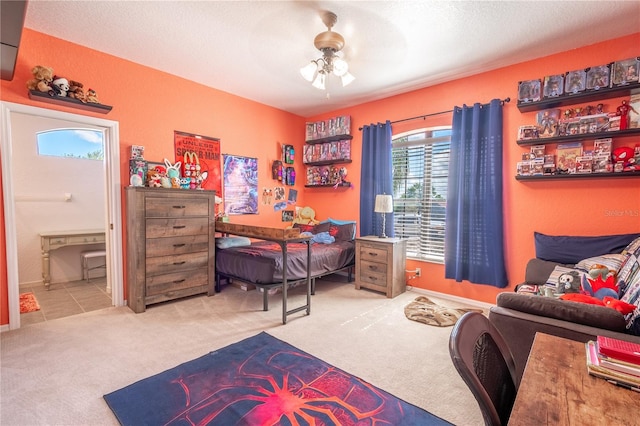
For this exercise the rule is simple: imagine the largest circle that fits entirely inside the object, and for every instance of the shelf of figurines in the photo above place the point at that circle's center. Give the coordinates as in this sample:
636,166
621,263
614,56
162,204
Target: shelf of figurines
329,185
327,162
630,174
579,136
570,99
329,139
69,102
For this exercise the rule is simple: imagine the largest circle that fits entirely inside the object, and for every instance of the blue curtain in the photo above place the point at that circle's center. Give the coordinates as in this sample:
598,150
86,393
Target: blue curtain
474,249
376,177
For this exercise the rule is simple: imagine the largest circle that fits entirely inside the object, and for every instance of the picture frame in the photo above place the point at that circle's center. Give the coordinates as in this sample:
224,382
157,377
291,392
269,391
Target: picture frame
529,91
575,82
598,77
553,86
625,72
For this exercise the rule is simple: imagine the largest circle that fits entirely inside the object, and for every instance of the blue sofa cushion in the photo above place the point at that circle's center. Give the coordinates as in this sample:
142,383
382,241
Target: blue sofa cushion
568,249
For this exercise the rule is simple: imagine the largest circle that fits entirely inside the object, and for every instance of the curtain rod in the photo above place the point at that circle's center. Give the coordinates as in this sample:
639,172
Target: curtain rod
502,102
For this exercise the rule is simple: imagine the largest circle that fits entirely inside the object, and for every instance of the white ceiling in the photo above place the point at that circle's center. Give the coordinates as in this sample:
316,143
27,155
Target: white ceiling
254,49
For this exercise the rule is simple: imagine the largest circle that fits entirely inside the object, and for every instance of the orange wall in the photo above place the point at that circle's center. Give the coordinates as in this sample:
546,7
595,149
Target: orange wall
562,207
150,105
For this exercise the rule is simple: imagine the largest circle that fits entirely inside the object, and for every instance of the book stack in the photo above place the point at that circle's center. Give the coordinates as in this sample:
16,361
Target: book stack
616,361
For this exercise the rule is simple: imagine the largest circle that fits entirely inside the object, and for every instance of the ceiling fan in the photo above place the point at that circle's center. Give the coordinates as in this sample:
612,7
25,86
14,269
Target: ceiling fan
329,43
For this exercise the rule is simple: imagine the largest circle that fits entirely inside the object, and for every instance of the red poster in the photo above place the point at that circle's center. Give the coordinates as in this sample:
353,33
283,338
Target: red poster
207,153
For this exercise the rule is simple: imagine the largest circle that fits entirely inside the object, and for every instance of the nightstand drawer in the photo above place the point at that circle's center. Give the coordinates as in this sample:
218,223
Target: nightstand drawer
367,267
374,278
373,254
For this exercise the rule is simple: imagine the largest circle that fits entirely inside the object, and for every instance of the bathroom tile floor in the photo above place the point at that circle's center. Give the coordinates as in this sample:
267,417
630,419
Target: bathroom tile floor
66,299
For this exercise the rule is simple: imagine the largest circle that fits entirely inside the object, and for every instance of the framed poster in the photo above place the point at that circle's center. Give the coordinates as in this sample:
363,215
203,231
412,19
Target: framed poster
240,185
207,154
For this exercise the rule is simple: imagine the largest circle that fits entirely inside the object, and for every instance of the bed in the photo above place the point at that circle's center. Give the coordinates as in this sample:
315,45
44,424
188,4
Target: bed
309,251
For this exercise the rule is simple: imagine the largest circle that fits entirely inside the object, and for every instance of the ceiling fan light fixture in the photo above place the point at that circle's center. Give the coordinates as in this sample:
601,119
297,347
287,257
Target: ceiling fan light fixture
309,70
329,43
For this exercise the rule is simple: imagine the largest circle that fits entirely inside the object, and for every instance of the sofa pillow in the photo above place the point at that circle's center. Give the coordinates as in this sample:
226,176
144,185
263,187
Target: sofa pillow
612,261
227,242
574,312
567,249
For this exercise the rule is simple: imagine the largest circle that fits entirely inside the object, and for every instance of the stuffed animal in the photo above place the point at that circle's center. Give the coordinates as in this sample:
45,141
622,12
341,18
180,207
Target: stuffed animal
60,86
76,91
41,81
92,96
173,171
305,216
623,307
568,282
624,155
153,179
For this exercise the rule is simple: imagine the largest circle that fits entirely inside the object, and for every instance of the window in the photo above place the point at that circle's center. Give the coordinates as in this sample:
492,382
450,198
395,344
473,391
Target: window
72,143
420,174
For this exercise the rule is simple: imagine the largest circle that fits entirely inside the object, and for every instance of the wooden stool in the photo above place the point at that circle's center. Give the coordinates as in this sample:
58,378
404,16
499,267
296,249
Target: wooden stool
86,256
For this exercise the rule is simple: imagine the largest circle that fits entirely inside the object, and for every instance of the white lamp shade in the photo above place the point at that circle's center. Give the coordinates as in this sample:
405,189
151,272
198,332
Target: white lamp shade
347,79
308,71
340,67
318,83
384,204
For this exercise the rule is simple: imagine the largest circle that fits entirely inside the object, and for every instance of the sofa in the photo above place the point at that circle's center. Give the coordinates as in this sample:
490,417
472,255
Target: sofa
536,306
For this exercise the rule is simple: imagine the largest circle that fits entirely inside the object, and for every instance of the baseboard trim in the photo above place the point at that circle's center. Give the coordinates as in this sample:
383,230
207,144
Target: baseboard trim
458,299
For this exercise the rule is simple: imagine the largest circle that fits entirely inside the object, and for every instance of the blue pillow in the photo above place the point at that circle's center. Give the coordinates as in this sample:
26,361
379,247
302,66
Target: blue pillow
571,250
227,242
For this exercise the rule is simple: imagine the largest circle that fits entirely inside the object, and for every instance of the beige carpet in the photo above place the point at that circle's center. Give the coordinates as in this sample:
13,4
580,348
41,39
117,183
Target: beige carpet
55,373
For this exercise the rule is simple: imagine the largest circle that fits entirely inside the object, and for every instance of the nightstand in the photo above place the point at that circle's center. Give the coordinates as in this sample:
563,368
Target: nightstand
380,264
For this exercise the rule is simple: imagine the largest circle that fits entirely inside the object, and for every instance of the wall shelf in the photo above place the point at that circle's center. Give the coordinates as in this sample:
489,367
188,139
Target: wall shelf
330,139
567,138
327,162
68,102
328,185
595,95
580,176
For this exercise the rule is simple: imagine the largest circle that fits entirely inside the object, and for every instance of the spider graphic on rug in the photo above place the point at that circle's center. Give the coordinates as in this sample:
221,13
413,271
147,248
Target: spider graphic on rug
266,392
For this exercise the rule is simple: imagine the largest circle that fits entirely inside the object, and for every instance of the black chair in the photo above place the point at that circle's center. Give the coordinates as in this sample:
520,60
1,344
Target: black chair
486,365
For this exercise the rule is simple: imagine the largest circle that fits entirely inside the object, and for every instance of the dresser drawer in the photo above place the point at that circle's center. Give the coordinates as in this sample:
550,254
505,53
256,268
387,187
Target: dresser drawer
372,253
158,228
181,262
176,207
168,284
177,245
367,267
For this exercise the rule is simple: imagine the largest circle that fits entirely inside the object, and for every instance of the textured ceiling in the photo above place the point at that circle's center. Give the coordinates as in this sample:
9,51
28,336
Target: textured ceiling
254,49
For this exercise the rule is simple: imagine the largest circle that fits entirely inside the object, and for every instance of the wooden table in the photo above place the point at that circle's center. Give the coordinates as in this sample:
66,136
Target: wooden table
56,239
556,389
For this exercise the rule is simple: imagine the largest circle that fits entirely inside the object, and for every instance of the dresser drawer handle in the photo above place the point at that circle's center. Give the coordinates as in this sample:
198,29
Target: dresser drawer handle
179,207
373,254
373,267
179,226
178,281
179,263
179,245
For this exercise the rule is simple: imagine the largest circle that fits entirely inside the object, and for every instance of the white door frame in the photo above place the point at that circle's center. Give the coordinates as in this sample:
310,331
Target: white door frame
113,196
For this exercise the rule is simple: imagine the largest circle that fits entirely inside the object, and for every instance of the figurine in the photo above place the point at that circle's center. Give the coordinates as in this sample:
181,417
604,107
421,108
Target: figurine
600,108
623,112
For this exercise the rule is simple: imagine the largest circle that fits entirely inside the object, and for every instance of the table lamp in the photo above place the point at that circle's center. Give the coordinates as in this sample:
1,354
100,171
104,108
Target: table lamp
384,205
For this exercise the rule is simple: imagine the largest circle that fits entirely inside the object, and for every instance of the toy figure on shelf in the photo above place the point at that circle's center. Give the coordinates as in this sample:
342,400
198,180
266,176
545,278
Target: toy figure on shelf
623,112
568,113
600,109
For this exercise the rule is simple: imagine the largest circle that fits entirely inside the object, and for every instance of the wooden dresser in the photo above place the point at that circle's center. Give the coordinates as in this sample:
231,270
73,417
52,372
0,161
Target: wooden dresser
170,244
380,264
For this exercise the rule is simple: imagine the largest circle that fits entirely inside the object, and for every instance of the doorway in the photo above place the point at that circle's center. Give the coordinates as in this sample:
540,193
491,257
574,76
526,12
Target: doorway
12,115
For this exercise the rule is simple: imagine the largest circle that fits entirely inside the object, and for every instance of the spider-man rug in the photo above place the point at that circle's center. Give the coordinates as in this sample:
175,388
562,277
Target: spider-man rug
260,381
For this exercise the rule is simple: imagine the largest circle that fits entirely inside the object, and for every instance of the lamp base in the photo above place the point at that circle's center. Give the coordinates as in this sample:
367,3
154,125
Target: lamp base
383,236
